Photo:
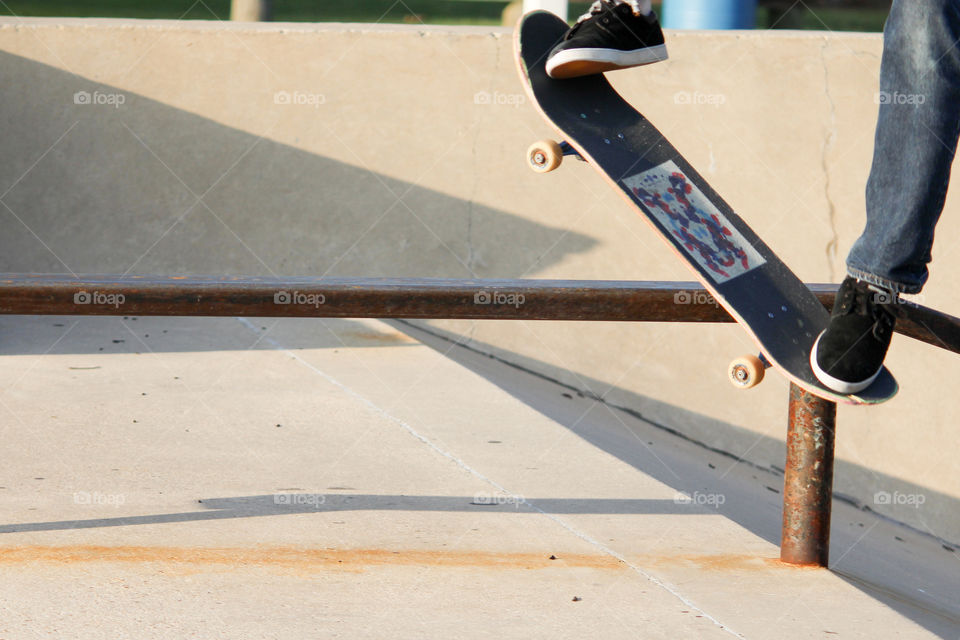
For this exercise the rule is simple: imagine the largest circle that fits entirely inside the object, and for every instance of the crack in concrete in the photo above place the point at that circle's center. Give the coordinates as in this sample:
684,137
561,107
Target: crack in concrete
828,145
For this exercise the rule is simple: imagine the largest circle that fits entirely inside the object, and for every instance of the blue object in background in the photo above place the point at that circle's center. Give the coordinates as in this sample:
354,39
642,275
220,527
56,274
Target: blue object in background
709,14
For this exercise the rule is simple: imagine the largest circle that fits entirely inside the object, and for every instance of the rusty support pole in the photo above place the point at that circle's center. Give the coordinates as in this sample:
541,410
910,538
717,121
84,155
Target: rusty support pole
808,479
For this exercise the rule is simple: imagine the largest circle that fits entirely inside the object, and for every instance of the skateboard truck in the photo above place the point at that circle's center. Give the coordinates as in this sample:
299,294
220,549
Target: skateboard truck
747,371
546,155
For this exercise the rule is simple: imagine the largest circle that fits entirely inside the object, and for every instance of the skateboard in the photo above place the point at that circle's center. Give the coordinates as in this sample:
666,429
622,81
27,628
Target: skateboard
744,275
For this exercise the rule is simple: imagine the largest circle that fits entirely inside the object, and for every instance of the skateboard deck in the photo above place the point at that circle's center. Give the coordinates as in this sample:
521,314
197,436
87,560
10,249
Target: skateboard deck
745,276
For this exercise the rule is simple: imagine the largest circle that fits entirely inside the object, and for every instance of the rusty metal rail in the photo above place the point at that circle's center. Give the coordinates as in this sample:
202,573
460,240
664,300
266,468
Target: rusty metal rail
808,476
425,298
357,298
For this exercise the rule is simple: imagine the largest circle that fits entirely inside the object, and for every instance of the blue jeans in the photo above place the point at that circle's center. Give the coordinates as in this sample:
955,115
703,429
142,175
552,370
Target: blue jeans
916,140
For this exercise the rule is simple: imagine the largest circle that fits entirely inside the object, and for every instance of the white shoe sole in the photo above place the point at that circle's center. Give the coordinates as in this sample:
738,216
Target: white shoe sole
572,63
835,384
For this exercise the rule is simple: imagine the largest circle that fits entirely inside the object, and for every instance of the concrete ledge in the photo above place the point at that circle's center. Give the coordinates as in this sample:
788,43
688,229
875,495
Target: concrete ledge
7,22
381,27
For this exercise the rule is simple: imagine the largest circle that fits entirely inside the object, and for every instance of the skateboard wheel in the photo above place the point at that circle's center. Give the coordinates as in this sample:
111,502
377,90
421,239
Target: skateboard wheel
746,371
544,156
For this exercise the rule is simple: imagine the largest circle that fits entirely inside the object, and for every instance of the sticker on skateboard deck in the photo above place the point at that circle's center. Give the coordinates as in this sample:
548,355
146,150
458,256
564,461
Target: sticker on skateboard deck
704,232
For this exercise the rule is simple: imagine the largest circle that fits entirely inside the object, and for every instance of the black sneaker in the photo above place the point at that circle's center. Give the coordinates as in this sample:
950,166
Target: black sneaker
609,37
848,356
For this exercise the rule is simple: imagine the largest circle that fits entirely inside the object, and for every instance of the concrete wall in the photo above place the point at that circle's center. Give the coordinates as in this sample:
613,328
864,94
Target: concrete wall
375,150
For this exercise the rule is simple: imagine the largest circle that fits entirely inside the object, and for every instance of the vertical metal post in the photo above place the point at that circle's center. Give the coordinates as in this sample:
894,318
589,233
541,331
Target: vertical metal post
808,479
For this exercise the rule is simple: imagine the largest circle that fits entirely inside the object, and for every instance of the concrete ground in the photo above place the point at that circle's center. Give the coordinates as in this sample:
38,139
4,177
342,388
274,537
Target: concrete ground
256,478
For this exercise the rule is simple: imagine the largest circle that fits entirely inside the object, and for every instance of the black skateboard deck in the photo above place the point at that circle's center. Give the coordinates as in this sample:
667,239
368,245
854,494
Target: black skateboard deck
745,276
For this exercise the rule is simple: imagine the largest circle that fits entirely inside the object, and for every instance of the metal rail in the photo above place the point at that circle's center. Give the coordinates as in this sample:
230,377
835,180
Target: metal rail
424,298
357,298
808,476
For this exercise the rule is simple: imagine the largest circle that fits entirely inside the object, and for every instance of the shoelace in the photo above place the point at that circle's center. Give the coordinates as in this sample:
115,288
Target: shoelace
883,323
873,302
595,8
599,7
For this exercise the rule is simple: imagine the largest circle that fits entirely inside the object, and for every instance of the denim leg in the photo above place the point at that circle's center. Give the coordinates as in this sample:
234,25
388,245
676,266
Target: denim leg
915,143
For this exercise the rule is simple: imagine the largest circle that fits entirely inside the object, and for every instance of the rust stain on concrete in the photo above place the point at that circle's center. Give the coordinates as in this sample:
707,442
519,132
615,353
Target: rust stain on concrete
298,558
311,559
713,562
352,337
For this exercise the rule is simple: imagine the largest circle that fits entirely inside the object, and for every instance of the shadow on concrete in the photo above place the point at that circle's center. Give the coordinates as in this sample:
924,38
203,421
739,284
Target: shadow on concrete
908,570
939,621
143,187
79,335
281,504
